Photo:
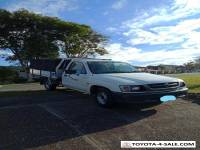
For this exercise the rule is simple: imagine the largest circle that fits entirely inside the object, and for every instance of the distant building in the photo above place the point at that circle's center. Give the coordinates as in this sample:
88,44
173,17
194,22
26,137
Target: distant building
163,69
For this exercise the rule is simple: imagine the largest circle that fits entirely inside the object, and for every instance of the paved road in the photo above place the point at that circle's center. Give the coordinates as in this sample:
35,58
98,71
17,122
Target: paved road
69,120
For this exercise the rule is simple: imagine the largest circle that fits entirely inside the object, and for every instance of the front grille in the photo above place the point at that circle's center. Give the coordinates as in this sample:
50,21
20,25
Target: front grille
167,85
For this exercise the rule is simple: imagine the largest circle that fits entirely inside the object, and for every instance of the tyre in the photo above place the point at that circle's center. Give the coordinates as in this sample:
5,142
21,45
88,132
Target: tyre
103,98
49,85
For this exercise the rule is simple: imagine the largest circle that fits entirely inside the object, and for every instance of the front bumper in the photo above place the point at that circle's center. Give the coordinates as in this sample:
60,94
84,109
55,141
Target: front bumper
150,96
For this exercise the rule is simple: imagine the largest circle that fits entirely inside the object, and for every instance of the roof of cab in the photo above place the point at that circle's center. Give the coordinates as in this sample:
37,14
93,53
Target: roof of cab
89,59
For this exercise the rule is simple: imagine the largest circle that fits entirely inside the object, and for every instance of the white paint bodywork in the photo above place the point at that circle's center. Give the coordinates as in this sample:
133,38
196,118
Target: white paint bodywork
83,82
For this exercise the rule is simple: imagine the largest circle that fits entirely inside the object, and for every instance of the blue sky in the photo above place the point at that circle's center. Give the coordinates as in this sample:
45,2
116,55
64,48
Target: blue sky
144,32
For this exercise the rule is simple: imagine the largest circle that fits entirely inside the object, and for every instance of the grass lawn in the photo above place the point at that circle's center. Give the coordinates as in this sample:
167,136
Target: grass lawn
21,87
192,81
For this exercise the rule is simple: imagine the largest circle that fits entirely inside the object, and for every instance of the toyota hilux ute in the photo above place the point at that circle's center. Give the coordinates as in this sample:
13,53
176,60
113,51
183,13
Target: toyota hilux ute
106,80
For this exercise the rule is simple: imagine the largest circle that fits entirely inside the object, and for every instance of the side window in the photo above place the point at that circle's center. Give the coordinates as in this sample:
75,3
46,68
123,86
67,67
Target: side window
72,66
78,68
64,64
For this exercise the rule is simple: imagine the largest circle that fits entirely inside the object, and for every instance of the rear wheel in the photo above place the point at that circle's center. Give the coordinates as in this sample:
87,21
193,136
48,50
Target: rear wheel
49,85
103,97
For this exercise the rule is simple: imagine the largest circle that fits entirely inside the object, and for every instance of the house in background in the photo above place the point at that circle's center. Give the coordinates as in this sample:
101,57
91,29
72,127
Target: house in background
163,69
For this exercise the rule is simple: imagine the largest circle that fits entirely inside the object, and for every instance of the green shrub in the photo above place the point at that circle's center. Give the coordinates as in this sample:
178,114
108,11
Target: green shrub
9,75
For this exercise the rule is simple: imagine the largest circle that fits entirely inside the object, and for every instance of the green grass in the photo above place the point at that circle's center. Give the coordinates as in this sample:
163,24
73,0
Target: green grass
192,81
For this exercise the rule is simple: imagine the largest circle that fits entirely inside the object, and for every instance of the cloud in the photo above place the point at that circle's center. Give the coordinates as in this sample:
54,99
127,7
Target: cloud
178,10
181,32
146,29
119,52
176,27
47,7
5,53
119,4
111,29
130,54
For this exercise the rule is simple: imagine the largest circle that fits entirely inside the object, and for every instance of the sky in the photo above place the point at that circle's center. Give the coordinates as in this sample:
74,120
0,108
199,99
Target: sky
142,32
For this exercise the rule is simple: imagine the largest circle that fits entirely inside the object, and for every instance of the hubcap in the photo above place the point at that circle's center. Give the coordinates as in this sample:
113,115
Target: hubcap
102,98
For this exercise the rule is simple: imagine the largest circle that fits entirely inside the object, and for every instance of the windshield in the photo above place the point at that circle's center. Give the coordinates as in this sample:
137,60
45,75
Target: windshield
102,67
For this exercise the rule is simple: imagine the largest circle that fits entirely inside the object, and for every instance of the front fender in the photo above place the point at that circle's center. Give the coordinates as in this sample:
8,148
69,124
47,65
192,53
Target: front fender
109,86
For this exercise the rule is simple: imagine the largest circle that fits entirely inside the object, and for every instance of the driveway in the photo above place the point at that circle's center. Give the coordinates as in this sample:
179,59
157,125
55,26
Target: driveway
65,119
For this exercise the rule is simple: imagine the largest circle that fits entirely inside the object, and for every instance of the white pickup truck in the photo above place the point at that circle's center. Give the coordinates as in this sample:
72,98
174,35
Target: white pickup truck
106,80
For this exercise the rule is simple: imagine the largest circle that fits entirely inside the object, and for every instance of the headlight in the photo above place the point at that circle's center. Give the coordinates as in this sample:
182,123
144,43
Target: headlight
182,84
132,88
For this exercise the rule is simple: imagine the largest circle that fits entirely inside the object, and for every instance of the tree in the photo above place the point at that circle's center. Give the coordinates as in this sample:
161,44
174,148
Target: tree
21,32
33,36
197,62
84,45
190,66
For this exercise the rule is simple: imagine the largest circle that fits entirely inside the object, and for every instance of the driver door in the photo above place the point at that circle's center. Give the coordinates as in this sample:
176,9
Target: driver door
76,77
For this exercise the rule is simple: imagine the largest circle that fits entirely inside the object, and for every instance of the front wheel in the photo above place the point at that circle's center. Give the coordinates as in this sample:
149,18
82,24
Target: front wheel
49,85
103,97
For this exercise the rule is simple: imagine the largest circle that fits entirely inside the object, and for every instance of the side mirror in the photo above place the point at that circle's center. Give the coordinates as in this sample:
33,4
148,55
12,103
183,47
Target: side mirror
70,72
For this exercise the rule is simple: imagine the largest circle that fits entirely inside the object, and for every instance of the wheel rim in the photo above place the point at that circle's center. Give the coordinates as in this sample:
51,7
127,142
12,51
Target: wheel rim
102,98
